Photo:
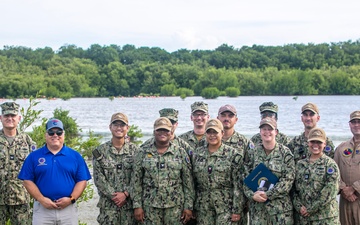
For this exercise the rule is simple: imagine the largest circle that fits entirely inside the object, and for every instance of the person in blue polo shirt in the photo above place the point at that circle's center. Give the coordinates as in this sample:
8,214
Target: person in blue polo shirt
55,176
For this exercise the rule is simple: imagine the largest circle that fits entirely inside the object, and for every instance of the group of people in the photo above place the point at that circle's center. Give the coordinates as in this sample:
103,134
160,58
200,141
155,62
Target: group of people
195,178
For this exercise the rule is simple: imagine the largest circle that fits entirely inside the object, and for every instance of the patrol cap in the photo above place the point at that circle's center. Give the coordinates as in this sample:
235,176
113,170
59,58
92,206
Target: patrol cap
268,121
355,115
202,106
214,124
119,117
268,106
171,114
227,108
317,134
54,123
163,123
10,108
311,107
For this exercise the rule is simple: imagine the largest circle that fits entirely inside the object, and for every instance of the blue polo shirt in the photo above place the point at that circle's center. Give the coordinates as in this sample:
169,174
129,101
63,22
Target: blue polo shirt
55,175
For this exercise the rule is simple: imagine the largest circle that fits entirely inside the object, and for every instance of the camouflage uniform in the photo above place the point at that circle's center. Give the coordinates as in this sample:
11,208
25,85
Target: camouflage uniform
190,136
317,186
192,140
162,184
242,144
281,138
14,199
299,147
176,141
278,210
217,183
112,173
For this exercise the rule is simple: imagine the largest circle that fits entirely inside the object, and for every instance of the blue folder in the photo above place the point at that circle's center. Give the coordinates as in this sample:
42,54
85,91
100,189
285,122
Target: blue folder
261,172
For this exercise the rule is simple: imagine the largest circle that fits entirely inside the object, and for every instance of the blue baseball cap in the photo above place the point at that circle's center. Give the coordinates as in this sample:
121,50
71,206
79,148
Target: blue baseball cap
54,123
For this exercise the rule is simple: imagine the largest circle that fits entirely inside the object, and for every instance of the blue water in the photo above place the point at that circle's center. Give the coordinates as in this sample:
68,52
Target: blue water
94,113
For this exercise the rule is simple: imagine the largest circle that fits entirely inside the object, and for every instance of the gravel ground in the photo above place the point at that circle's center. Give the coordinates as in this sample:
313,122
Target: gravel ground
88,211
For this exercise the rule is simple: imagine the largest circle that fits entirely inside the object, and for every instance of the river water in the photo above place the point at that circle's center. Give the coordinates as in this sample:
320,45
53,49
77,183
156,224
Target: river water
95,113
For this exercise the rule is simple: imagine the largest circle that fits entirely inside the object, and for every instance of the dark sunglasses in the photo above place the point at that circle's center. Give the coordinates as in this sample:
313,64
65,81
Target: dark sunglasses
58,132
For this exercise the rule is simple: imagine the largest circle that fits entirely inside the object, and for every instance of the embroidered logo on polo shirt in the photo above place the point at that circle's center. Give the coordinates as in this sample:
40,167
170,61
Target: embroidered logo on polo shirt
42,162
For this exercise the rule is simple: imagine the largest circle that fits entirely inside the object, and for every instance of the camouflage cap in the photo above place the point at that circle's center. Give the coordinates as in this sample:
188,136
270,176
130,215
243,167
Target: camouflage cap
268,106
54,123
227,108
317,134
202,106
268,121
10,108
163,123
119,117
311,107
355,115
171,114
214,124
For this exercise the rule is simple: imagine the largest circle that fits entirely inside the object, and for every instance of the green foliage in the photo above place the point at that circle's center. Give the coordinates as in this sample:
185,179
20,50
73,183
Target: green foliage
134,133
232,91
210,93
29,116
184,92
102,71
168,90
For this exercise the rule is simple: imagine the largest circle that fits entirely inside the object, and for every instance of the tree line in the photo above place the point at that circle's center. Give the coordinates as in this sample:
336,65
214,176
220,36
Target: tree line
103,71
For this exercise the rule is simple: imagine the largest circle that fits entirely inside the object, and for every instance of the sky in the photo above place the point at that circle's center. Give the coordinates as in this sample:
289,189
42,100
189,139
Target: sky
177,24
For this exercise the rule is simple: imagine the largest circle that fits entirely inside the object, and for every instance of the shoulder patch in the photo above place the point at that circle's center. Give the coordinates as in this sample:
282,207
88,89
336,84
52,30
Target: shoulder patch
347,152
187,159
327,148
251,145
330,170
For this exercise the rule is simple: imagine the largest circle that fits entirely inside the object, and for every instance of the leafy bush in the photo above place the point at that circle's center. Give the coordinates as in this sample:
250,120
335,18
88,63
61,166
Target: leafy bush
210,93
184,92
232,91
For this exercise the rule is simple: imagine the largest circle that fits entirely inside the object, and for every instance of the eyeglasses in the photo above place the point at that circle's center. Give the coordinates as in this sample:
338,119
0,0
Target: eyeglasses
354,122
267,114
202,115
118,125
58,132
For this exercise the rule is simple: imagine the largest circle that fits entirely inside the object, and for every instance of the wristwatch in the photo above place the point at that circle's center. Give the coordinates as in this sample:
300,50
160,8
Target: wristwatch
73,200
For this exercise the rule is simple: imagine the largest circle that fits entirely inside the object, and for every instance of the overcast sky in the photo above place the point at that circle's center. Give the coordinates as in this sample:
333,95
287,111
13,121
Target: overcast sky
177,24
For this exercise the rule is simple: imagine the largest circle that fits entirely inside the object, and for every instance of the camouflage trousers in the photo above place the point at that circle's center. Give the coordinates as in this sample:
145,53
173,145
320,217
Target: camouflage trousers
328,221
157,216
259,216
116,217
210,217
18,214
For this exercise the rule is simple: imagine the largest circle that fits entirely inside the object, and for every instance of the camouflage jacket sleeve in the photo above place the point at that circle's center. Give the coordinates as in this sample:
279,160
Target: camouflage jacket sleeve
239,198
330,148
295,193
248,167
136,180
188,182
283,186
330,189
100,178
